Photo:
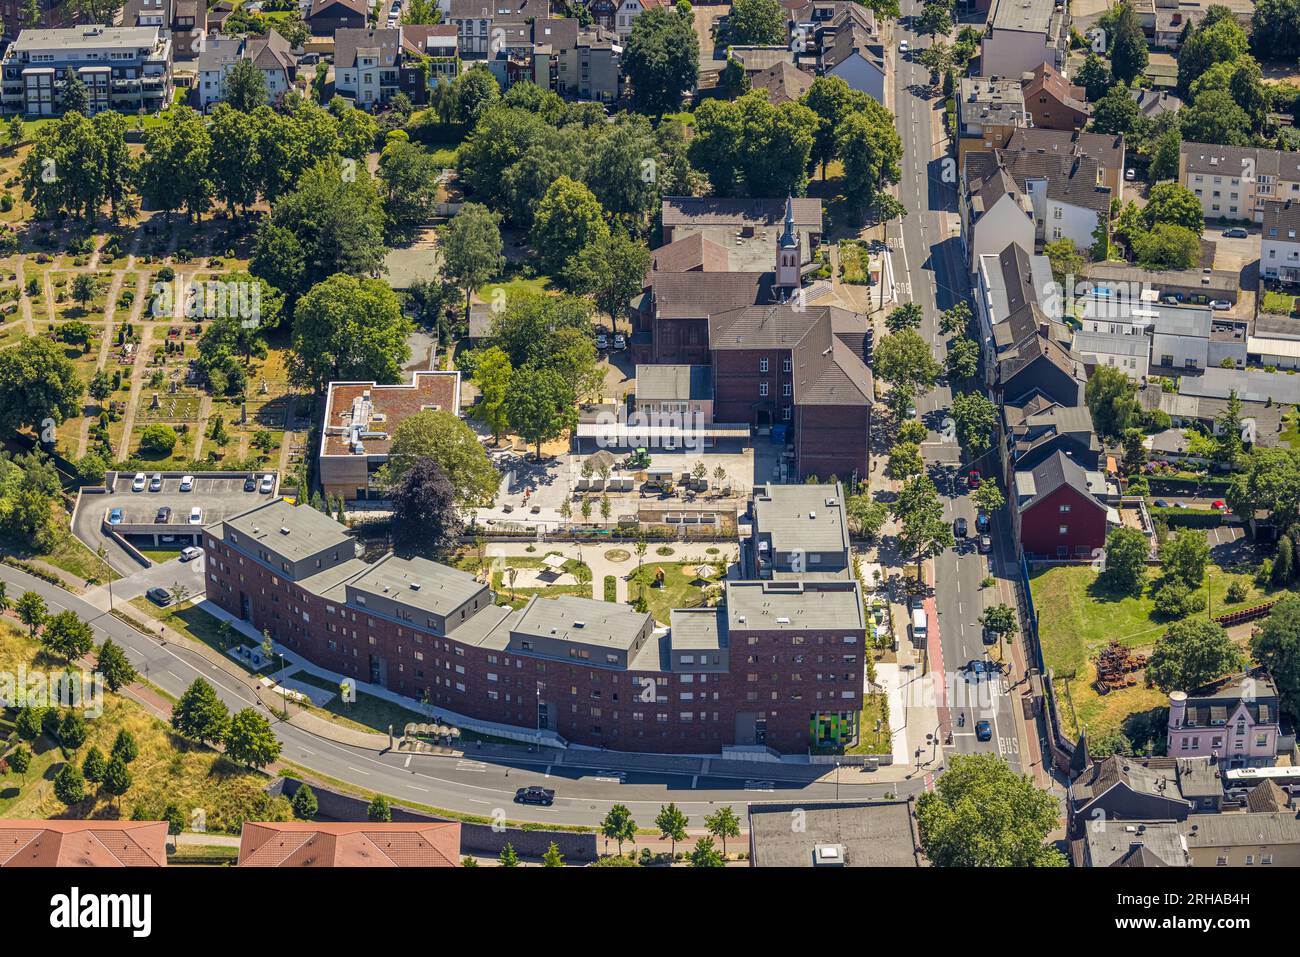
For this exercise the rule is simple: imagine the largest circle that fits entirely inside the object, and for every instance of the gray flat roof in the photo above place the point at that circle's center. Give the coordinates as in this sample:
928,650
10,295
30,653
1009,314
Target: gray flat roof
810,517
584,621
698,629
675,382
419,583
1031,15
871,834
85,38
291,532
794,606
1254,385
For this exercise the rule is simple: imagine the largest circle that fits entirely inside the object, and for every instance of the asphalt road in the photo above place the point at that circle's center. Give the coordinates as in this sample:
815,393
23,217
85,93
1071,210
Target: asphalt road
930,263
480,787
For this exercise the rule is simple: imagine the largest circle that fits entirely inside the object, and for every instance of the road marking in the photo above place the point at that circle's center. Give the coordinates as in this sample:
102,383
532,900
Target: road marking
305,751
470,766
408,761
358,770
695,780
175,675
416,787
477,801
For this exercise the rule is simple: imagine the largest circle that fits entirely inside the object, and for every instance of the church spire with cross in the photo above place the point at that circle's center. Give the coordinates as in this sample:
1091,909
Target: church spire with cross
787,251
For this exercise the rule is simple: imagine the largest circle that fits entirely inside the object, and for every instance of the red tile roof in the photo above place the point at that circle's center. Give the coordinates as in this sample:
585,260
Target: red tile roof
83,843
349,844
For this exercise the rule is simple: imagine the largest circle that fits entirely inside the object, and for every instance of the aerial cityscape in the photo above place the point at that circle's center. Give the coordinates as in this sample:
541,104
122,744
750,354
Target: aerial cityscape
623,433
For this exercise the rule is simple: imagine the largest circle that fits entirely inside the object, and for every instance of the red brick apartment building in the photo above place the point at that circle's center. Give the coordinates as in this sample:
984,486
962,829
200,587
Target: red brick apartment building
780,663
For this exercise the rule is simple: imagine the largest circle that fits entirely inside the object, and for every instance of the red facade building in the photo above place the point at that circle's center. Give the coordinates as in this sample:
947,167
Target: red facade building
1058,514
779,664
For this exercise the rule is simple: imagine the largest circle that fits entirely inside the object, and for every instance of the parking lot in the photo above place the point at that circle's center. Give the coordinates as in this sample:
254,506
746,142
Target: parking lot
144,524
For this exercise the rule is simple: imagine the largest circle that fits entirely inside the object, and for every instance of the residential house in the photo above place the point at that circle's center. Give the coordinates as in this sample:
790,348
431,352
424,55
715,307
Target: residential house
487,27
575,61
1022,34
349,844
368,65
994,212
1234,182
1155,103
70,843
1064,191
1038,429
271,54
988,110
1279,241
128,69
1132,844
1053,102
1010,290
1038,365
1235,719
326,17
1188,410
1131,354
857,57
1122,788
619,15
440,42
1056,511
358,424
1244,840
186,19
798,532
835,834
784,82
1107,150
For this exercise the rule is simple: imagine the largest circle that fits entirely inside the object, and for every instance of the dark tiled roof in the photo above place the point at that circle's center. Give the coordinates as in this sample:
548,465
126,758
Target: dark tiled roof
693,253
717,211
698,295
783,81
1053,472
348,40
1267,797
1282,216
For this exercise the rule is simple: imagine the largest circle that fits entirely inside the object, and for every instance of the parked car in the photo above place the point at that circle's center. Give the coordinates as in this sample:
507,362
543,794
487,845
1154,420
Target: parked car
196,516
1220,504
1130,174
190,553
602,341
250,484
959,528
1173,299
268,483
978,667
620,341
187,483
986,544
535,795
164,516
973,478
1220,305
983,731
115,516
1160,503
155,483
989,635
903,47
1236,232
982,523
138,483
159,595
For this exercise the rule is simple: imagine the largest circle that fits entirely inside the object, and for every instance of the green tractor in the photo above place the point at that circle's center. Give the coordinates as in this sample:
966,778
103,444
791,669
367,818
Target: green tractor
639,459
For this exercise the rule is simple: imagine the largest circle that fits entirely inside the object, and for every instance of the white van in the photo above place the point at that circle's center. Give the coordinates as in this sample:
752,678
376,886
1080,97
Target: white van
920,624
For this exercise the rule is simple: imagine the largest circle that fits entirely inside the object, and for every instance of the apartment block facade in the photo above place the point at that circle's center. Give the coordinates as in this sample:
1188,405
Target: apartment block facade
779,664
128,69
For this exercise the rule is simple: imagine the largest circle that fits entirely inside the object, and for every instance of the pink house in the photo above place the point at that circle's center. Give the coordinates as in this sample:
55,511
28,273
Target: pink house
1235,719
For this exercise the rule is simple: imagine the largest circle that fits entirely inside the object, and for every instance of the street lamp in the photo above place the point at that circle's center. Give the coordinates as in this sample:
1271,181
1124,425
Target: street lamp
102,553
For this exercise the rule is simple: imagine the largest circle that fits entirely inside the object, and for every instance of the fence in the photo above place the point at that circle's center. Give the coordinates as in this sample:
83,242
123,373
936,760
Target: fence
1062,749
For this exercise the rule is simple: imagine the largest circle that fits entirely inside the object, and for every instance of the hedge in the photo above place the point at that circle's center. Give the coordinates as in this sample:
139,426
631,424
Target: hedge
1190,517
611,588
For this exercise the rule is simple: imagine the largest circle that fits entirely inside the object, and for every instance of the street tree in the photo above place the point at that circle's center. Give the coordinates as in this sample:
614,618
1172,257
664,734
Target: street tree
541,406
379,811
983,814
723,824
31,611
618,825
904,360
974,417
1276,646
706,854
250,740
906,316
200,714
68,636
346,328
672,825
471,248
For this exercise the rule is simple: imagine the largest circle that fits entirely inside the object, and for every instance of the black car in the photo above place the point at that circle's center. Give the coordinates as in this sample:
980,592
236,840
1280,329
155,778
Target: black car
535,795
959,527
982,523
159,596
164,516
250,484
985,545
990,636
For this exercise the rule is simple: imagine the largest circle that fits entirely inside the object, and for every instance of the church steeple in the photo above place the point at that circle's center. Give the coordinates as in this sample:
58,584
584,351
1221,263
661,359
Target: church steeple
787,251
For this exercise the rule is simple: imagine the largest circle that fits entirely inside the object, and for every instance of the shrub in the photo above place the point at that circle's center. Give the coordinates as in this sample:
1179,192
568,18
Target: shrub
1237,592
1175,600
158,439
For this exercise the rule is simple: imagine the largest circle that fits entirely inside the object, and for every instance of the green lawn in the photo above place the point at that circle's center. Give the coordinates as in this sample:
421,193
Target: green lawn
538,285
367,713
1077,617
875,707
74,557
195,623
676,591
160,555
518,597
1278,303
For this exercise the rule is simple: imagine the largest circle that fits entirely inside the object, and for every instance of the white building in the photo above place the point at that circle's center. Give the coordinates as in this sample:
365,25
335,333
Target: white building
1011,289
1131,354
270,54
1023,34
994,213
1279,241
367,65
1234,182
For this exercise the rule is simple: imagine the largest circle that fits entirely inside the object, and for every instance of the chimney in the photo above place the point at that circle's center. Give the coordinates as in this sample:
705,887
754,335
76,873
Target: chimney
1177,709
